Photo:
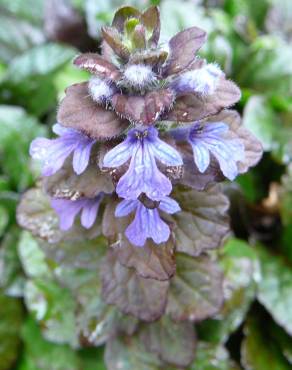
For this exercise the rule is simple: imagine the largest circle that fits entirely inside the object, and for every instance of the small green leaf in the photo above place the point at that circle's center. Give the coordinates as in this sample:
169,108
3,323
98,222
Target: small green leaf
212,357
10,325
18,129
41,354
11,276
241,272
39,61
262,121
32,257
259,351
275,288
54,307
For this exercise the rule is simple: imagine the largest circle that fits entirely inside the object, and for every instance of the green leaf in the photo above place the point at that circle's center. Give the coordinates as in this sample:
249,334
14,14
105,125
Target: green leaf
269,68
17,34
262,121
10,325
196,291
39,61
54,307
92,359
212,357
177,15
241,272
11,276
275,288
18,129
40,354
32,257
29,78
283,340
286,197
258,351
4,218
31,10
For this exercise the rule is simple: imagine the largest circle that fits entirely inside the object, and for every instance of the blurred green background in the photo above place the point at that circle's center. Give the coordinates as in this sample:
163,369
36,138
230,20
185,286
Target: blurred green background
252,42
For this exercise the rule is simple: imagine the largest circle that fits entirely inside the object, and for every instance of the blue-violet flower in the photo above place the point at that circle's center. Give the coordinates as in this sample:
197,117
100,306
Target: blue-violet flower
67,210
147,222
143,147
213,138
53,152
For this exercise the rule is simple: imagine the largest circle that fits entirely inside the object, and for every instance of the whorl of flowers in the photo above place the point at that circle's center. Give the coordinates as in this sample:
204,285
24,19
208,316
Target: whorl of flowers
140,148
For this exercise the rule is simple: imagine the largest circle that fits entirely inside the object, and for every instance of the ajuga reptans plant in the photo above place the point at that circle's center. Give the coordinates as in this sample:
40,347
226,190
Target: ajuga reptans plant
130,187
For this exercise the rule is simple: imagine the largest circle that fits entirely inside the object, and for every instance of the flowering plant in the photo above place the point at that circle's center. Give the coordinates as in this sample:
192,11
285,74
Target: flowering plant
130,187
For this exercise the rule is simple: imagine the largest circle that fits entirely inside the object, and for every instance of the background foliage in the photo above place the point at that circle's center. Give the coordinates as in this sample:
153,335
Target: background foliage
38,324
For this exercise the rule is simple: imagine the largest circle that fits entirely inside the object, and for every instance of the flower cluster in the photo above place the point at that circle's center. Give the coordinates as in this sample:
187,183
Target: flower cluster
129,186
140,113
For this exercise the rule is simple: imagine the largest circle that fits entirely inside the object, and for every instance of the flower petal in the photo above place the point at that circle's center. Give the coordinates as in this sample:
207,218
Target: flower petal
81,156
125,207
61,130
169,205
147,224
143,176
52,153
67,210
89,212
119,155
165,153
201,156
213,137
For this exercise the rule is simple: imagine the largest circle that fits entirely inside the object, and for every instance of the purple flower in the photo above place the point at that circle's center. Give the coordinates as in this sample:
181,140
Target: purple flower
67,211
147,222
53,152
203,80
143,147
213,138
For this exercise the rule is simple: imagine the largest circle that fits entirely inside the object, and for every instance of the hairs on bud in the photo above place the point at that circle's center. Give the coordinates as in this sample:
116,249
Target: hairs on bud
203,80
139,76
100,90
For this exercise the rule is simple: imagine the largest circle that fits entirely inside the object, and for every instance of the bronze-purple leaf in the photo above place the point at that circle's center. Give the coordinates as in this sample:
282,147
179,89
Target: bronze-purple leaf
122,15
152,261
151,20
193,107
97,65
203,222
143,109
112,37
113,226
183,47
132,294
79,111
155,58
67,185
174,342
196,291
